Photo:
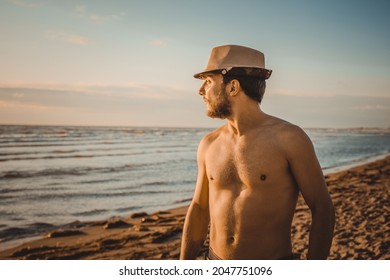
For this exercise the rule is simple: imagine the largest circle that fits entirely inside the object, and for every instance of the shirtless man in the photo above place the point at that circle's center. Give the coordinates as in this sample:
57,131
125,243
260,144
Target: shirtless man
251,170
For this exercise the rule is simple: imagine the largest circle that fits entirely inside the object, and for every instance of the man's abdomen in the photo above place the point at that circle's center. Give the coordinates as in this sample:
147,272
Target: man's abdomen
253,224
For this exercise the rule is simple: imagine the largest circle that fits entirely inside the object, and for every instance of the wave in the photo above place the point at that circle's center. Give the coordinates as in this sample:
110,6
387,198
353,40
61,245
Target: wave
41,143
127,209
159,184
93,212
183,200
78,195
75,154
50,157
41,152
353,130
12,194
81,171
19,232
83,156
77,171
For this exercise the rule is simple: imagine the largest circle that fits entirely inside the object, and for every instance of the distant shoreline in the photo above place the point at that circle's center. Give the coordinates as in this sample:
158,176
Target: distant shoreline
367,129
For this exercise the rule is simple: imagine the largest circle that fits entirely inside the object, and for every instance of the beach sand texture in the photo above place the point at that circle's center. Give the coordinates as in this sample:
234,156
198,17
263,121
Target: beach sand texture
362,231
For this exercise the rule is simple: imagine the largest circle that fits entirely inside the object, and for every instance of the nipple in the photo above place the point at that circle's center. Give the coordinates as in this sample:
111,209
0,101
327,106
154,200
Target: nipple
263,177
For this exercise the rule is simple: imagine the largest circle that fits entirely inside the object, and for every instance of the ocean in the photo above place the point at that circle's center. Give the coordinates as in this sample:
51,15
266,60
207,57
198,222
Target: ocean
54,175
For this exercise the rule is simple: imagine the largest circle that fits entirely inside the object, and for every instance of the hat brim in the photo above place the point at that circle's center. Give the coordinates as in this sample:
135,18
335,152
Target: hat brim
237,71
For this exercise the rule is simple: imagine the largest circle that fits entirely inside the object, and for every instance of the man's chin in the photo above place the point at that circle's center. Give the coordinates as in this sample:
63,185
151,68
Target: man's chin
215,116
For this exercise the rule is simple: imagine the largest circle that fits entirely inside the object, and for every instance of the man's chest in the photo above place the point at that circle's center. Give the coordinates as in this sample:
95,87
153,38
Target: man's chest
250,164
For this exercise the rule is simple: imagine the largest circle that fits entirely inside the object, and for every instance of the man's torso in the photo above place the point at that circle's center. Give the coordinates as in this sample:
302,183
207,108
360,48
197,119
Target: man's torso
252,194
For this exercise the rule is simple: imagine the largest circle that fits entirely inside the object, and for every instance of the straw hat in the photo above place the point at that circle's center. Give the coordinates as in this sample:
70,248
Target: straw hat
224,58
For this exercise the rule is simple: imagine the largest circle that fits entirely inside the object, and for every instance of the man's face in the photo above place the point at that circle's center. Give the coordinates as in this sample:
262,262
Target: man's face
214,95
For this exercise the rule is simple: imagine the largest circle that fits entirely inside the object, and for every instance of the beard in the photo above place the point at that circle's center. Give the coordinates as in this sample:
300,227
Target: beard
220,107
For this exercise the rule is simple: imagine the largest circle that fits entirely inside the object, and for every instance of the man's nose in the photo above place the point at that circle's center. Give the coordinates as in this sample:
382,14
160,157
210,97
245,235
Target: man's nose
201,90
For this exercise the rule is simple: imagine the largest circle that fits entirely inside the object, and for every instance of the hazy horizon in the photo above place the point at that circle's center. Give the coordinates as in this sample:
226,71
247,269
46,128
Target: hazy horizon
338,129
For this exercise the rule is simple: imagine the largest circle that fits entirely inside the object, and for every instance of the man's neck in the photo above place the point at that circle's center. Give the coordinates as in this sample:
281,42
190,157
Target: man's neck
244,120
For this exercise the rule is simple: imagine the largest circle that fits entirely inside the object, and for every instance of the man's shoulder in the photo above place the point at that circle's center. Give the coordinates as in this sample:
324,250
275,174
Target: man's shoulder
211,137
286,132
207,141
278,126
291,137
287,129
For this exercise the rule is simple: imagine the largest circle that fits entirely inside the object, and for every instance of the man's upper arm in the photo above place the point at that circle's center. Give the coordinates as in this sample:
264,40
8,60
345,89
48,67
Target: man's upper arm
306,169
201,193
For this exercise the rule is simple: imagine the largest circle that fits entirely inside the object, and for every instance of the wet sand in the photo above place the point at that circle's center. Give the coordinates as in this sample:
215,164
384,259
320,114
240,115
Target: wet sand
360,196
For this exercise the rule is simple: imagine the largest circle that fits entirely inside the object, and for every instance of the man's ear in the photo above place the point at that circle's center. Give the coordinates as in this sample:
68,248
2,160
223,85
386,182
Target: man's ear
233,87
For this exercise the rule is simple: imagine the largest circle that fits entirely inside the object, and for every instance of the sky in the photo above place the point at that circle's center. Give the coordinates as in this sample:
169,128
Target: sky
131,63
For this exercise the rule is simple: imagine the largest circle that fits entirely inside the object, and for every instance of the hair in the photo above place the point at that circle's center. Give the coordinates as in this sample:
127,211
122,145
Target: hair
252,85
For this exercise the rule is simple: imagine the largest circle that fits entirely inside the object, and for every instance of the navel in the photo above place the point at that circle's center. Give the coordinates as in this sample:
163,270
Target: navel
211,178
263,177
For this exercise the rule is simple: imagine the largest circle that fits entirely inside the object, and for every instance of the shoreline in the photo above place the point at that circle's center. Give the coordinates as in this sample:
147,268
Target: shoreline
359,192
355,163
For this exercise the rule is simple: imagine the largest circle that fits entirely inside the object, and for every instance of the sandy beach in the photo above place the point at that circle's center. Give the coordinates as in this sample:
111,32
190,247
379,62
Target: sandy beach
360,196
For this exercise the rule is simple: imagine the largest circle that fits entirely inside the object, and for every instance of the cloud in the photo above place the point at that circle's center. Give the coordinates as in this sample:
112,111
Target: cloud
20,105
25,3
82,12
80,9
98,19
128,91
329,111
371,107
68,38
299,92
95,104
158,43
18,95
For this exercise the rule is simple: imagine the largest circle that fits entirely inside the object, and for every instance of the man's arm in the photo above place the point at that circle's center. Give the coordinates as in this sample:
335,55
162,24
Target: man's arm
310,180
198,216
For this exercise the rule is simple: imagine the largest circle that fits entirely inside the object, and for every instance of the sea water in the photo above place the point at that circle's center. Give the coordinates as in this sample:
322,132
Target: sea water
52,175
